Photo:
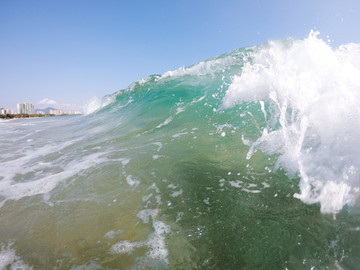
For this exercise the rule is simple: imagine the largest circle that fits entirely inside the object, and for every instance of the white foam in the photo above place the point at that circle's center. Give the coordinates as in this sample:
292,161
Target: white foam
207,201
203,68
97,103
179,134
155,241
124,161
112,234
172,186
166,122
251,190
154,187
221,182
176,193
198,100
157,156
266,185
179,216
124,247
145,214
236,184
179,110
147,197
158,199
132,182
159,144
314,114
42,182
262,104
9,259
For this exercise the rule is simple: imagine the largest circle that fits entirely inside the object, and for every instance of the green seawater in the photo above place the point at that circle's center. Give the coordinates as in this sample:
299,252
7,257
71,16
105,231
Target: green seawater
160,179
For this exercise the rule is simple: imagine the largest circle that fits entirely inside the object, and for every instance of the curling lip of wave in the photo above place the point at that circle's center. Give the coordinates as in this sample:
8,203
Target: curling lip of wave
313,94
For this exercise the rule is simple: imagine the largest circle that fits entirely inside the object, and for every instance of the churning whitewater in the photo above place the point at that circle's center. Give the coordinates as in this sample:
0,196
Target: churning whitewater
248,160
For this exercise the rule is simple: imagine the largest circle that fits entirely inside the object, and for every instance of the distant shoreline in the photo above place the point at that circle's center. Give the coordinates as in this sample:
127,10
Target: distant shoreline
23,115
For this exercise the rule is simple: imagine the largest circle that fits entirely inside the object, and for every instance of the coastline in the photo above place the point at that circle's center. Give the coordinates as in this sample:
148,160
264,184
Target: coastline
14,116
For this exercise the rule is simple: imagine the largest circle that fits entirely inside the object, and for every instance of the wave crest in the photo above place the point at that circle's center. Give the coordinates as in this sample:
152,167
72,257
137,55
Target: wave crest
313,97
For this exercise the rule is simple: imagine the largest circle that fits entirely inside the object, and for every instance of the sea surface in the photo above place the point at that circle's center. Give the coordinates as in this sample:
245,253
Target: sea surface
248,160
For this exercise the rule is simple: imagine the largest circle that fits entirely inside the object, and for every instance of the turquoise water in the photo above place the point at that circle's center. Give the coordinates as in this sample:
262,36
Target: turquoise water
233,163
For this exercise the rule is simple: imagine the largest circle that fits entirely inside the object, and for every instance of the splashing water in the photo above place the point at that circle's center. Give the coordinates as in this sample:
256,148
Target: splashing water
312,93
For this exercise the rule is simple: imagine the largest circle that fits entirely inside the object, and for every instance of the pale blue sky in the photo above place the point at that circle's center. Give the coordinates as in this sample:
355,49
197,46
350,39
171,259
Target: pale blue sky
71,51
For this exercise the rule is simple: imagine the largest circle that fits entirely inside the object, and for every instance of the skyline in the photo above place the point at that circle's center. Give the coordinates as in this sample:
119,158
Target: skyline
44,104
29,108
64,53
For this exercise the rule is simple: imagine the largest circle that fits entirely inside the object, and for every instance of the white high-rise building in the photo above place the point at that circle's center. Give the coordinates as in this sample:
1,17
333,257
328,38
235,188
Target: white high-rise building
20,108
26,108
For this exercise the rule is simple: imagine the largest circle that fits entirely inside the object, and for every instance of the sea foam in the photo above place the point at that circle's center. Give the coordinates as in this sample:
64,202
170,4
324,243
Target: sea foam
155,241
9,259
313,114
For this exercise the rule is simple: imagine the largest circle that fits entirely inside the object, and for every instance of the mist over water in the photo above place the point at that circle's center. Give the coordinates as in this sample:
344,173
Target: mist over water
248,160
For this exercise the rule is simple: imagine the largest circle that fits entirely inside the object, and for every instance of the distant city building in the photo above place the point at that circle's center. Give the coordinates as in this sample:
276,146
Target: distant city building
63,112
5,111
25,108
56,112
20,108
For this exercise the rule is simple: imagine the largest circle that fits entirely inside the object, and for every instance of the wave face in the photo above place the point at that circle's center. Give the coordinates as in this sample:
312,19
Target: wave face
249,160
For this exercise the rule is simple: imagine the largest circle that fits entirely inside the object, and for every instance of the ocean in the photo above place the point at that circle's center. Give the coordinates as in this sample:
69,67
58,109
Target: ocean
248,160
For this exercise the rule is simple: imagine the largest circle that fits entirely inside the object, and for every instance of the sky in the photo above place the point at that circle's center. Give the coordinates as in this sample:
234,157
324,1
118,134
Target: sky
64,53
